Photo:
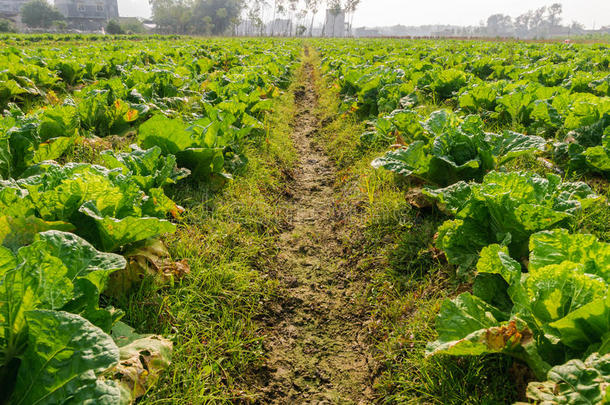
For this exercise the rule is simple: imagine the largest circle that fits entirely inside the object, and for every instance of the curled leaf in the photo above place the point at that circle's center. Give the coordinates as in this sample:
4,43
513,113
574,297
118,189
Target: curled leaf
150,259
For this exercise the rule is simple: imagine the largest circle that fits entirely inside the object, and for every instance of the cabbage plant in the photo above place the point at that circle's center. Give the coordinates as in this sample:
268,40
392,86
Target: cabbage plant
505,208
557,311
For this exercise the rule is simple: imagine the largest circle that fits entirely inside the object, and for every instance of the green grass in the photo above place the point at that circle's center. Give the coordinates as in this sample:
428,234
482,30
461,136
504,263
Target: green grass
409,279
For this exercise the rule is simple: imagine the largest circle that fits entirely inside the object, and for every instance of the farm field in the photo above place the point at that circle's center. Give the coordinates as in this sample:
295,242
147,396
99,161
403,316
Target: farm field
188,220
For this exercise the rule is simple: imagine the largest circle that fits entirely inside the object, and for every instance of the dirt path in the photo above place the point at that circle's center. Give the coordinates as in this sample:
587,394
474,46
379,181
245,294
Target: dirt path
315,339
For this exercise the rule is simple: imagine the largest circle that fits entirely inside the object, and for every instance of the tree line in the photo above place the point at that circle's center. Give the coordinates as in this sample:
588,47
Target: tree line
539,23
293,18
223,17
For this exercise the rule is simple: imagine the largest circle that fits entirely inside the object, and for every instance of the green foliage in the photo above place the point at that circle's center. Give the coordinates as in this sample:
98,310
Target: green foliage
197,151
106,207
39,14
203,17
205,106
51,321
58,217
555,312
148,167
564,98
574,382
7,26
505,208
58,272
462,152
212,314
443,84
103,113
133,26
114,28
65,356
29,140
541,107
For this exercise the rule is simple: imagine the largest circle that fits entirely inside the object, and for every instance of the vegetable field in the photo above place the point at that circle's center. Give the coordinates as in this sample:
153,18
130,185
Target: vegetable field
171,206
510,143
74,230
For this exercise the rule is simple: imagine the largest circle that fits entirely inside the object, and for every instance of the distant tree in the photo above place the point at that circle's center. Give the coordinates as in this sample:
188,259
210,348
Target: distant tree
7,26
554,14
133,26
301,29
292,7
522,24
301,15
334,8
39,14
223,15
254,15
350,9
499,25
577,28
172,16
334,5
537,21
60,24
278,8
554,18
114,28
313,7
198,16
542,22
208,26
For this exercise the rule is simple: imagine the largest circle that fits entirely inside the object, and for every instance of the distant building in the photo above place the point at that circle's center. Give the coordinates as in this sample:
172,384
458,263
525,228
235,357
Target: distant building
335,25
88,15
11,8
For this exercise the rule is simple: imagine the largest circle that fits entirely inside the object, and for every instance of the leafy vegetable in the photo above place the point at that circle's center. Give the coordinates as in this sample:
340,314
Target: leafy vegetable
555,312
103,113
65,358
147,167
208,103
57,272
196,151
142,359
25,141
575,382
106,207
113,233
505,208
458,153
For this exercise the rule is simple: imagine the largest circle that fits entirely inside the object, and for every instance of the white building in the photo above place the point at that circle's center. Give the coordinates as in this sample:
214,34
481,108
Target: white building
11,8
88,15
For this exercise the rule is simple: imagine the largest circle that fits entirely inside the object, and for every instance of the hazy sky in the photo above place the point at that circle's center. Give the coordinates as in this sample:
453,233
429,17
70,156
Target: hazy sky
459,12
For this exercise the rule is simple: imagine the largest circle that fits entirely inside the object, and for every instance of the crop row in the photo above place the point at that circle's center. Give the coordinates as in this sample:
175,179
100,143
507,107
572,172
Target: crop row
71,231
554,91
539,287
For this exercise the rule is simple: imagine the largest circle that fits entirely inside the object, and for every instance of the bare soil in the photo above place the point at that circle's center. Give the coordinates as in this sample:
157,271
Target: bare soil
315,332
